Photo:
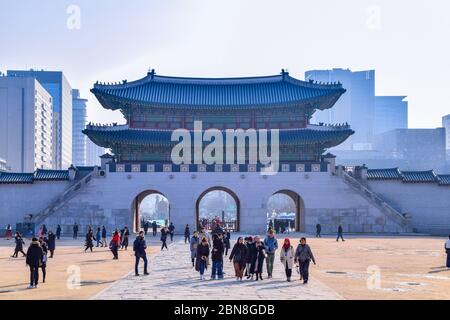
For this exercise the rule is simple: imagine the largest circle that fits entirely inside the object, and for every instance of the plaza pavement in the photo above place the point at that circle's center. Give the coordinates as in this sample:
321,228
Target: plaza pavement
173,277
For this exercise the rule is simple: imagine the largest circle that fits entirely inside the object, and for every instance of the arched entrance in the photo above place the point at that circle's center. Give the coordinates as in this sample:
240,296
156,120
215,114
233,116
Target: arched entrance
218,204
149,206
286,211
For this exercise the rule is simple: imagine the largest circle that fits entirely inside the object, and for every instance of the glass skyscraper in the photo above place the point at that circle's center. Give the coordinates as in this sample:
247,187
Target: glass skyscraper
59,88
79,120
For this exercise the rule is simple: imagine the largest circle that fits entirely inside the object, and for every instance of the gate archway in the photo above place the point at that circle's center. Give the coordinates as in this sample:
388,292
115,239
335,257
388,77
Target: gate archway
150,205
286,211
224,205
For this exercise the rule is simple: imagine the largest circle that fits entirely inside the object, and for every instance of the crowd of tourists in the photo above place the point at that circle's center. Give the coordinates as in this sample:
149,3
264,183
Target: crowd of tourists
249,255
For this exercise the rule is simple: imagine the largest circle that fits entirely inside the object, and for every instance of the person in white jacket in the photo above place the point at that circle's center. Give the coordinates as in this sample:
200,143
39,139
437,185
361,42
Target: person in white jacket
287,255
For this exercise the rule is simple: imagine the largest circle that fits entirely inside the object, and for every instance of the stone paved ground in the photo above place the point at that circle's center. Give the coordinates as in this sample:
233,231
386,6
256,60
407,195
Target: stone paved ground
172,277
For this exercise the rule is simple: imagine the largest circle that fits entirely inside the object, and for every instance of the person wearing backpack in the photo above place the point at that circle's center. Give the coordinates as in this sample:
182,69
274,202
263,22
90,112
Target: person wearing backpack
139,247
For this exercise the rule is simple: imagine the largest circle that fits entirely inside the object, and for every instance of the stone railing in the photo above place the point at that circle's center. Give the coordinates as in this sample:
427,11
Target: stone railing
62,198
377,201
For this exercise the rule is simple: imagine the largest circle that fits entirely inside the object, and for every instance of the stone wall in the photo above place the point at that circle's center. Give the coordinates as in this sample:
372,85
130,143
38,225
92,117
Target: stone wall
428,204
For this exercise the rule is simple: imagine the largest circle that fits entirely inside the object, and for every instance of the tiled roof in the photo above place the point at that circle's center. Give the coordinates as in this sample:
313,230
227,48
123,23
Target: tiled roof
409,176
107,138
38,175
53,175
419,176
383,174
217,92
11,177
444,179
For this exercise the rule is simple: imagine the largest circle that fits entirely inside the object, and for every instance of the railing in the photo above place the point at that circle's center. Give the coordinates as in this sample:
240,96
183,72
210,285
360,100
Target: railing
376,200
61,199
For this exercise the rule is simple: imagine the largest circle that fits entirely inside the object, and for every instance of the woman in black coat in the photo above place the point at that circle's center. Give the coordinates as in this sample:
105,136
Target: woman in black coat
226,241
238,256
251,258
51,243
260,257
19,245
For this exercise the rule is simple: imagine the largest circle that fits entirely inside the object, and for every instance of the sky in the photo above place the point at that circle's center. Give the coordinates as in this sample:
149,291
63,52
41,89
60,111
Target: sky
407,42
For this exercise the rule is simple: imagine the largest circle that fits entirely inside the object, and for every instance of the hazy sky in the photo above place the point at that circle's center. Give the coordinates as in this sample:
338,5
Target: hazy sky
407,42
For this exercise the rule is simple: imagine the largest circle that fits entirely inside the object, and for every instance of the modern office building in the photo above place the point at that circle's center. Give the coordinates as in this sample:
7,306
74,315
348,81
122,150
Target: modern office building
79,121
25,124
93,153
417,149
59,88
446,126
356,106
391,112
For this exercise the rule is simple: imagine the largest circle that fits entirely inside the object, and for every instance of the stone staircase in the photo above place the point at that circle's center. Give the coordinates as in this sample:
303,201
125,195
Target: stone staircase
63,198
374,199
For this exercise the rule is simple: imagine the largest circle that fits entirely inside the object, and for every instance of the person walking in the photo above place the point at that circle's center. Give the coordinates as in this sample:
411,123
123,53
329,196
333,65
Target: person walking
139,247
19,245
226,242
89,242
51,243
98,237
33,261
287,255
154,228
164,233
44,230
193,247
145,228
202,259
115,244
217,258
340,232
43,264
8,232
447,250
271,244
104,243
58,232
303,255
75,231
260,256
125,237
171,231
204,233
251,258
238,255
187,233
318,230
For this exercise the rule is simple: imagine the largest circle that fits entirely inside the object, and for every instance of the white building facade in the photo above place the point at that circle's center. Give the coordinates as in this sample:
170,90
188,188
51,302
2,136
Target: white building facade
26,133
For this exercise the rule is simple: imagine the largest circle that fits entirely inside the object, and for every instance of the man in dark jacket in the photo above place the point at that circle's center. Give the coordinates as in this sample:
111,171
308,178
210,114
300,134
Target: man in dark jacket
51,243
154,228
171,231
58,232
340,231
217,258
164,233
145,227
303,255
318,230
19,245
187,234
34,259
139,247
75,230
104,243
